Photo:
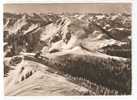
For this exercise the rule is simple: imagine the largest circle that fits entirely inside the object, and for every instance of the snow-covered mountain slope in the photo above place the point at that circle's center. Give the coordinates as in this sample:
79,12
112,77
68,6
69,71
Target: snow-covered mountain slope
91,47
32,78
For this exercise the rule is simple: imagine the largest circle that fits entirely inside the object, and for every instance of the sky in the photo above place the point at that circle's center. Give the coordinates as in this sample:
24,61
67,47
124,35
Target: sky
69,8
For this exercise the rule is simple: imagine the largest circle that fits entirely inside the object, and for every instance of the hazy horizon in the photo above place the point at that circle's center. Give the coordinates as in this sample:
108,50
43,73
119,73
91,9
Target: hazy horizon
69,8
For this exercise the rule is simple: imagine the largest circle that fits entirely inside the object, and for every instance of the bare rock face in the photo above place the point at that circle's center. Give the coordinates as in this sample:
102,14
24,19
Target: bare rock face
22,32
40,49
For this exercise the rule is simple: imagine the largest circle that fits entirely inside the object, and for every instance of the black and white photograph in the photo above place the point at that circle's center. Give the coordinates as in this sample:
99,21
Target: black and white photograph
67,49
